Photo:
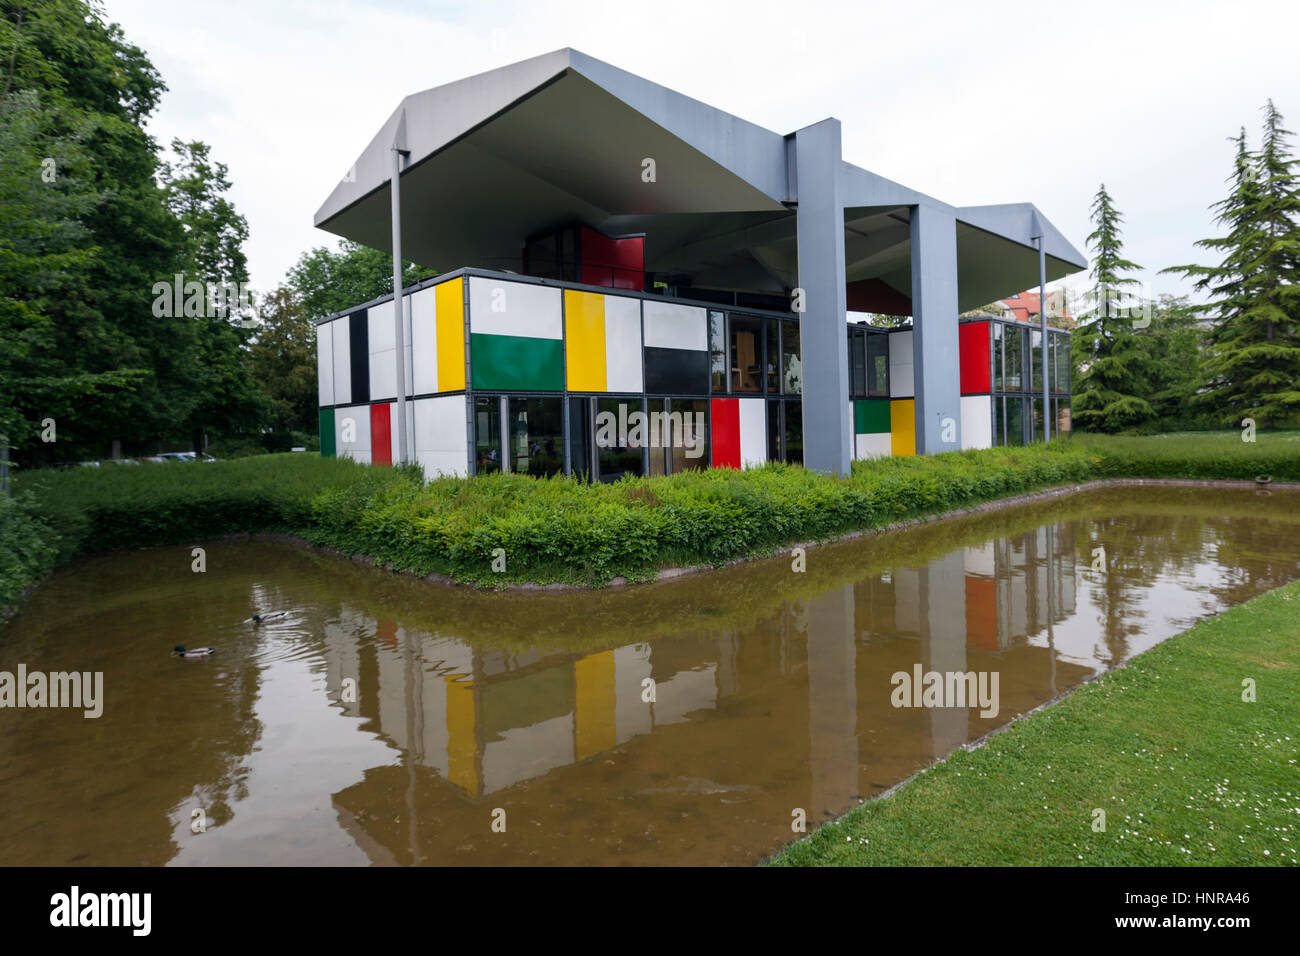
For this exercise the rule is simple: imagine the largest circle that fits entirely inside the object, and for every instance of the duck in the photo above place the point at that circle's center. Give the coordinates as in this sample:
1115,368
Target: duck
263,618
194,652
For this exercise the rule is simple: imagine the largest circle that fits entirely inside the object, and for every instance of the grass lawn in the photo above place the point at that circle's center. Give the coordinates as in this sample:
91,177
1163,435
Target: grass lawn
1185,770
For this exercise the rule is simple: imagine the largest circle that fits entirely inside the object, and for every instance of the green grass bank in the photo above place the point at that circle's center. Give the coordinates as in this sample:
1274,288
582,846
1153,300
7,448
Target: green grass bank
561,530
1187,772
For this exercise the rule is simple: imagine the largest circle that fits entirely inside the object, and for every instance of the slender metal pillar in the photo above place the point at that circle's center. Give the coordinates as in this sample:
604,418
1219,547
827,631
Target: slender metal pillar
398,308
1042,321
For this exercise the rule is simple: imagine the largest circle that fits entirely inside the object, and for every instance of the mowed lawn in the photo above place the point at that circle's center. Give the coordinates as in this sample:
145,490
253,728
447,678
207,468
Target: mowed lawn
1186,771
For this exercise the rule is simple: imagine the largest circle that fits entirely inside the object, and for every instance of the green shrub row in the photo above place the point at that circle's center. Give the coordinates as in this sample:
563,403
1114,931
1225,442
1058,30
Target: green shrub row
27,550
560,529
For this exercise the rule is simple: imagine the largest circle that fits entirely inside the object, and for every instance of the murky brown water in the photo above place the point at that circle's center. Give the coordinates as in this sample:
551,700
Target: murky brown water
772,689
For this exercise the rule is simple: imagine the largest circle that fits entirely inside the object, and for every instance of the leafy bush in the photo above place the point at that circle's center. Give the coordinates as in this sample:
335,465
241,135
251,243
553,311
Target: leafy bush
27,552
561,529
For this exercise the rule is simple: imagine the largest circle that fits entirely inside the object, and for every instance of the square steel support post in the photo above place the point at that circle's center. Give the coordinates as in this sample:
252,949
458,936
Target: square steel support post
823,336
936,366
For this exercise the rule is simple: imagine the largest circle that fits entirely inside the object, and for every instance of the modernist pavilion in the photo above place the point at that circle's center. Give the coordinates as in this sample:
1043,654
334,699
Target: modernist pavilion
607,246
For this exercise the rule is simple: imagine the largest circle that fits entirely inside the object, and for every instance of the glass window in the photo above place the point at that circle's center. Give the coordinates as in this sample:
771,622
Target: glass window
791,366
794,433
1015,360
999,420
998,362
746,354
774,430
580,437
718,351
770,357
619,442
1035,376
1037,433
487,434
1062,406
688,425
878,365
1015,420
1061,381
536,436
858,362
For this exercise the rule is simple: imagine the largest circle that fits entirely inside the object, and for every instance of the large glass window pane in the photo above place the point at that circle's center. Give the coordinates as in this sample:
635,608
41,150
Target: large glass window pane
746,354
772,356
1015,420
1015,352
774,431
858,362
998,362
619,442
580,437
794,432
1035,376
536,436
878,365
487,434
791,366
657,436
689,429
999,420
1037,434
1062,416
1061,383
718,351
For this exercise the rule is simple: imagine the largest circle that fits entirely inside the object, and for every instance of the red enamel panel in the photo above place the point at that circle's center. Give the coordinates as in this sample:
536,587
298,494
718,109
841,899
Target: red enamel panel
381,435
726,432
976,371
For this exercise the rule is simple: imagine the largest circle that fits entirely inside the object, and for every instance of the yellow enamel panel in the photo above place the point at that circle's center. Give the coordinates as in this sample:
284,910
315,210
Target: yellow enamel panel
902,426
584,340
594,729
462,734
451,335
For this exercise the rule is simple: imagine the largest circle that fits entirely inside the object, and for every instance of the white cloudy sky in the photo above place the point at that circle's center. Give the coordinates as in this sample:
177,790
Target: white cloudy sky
974,102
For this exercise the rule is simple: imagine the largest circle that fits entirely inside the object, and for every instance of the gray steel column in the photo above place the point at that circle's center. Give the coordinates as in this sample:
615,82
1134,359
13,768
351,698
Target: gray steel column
827,428
935,363
398,307
1042,321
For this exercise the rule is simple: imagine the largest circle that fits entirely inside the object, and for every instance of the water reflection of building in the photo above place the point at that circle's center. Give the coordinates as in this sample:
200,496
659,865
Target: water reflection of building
486,719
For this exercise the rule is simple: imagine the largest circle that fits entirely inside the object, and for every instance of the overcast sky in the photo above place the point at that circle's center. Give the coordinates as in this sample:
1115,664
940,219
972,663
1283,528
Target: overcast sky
969,102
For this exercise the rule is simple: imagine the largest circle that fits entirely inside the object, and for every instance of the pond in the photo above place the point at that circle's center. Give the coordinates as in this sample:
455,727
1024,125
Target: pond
384,720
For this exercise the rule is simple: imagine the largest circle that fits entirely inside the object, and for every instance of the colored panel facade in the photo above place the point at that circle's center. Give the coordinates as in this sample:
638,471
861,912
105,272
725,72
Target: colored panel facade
516,336
352,432
615,263
676,349
450,357
327,432
381,344
901,381
976,422
325,364
441,442
341,351
870,417
623,344
726,432
584,340
423,341
381,435
873,445
976,369
753,432
359,355
902,427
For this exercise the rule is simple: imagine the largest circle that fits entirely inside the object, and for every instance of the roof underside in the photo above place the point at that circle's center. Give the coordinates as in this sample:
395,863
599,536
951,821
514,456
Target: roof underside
560,138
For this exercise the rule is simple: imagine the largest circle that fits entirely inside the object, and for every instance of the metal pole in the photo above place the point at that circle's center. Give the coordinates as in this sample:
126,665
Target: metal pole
1042,318
398,309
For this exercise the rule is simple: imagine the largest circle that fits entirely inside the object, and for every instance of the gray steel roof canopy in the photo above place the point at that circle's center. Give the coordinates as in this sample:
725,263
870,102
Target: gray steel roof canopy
561,137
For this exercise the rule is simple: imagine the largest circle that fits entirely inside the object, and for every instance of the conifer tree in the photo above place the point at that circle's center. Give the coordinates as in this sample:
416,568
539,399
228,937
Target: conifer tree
1253,366
1111,356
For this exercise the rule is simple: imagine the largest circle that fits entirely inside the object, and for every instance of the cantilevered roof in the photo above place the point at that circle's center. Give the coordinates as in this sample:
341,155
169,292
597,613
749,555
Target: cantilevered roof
562,137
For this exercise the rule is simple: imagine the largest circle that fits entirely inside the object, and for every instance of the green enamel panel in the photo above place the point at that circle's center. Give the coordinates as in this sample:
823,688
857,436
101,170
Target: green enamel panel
870,417
516,363
327,433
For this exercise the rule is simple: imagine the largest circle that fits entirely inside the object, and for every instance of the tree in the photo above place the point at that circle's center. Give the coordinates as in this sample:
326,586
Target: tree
283,361
327,282
1111,358
228,401
1253,365
1177,343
